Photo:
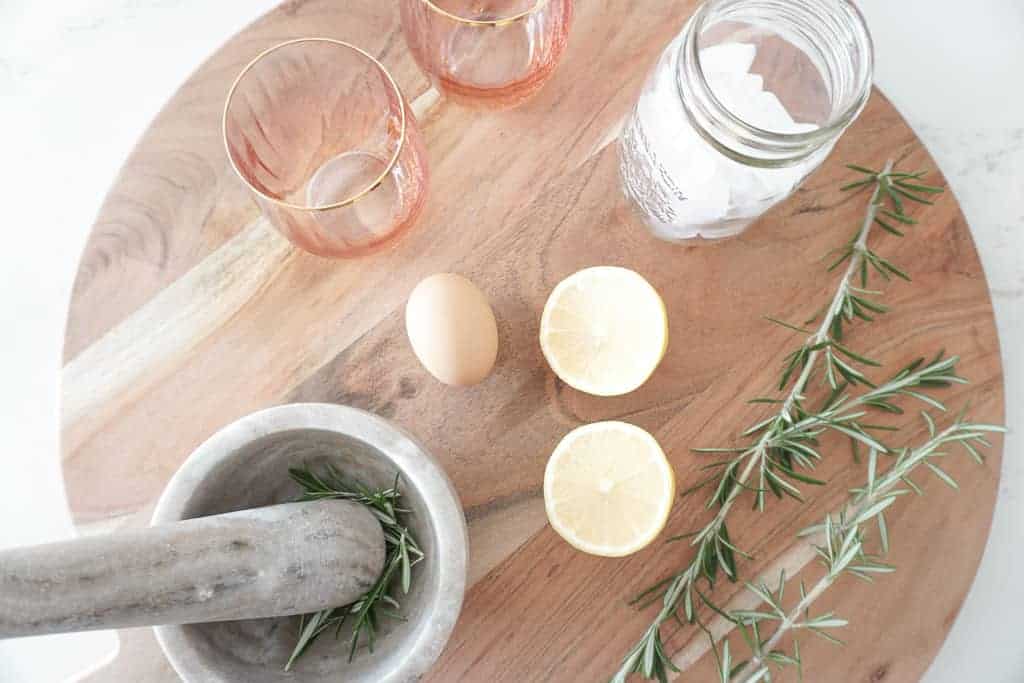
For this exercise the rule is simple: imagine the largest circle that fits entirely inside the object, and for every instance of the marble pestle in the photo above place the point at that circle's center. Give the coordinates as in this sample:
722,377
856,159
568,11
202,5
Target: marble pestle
265,562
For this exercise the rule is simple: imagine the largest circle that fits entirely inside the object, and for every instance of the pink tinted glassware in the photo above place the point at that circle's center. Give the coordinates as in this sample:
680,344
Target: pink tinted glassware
323,137
494,53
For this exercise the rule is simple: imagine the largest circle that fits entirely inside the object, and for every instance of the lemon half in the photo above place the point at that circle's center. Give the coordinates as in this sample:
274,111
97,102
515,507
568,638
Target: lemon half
608,488
604,330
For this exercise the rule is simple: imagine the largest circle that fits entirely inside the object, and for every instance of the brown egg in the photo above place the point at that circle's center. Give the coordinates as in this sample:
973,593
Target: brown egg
451,329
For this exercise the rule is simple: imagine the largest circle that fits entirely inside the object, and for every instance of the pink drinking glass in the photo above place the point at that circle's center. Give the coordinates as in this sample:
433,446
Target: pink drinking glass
321,134
493,53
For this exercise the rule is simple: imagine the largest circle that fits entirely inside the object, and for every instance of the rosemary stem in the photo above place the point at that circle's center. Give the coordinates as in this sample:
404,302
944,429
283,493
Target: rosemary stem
756,663
852,511
759,451
835,307
787,439
853,403
837,300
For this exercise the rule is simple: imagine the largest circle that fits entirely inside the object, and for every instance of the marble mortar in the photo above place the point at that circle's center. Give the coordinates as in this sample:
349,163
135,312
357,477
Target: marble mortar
245,465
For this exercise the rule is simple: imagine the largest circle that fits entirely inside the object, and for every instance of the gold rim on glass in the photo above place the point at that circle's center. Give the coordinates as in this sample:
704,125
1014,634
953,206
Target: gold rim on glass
503,21
362,193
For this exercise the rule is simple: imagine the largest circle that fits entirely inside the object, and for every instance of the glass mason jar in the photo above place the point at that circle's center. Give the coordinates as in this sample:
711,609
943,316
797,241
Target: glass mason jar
748,99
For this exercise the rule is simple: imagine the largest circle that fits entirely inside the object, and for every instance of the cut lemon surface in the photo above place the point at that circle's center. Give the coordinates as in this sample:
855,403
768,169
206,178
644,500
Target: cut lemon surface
608,488
604,330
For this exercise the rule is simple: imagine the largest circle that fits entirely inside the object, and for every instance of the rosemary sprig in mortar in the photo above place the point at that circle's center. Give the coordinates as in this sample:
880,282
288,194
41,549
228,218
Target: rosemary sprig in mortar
841,551
401,554
787,441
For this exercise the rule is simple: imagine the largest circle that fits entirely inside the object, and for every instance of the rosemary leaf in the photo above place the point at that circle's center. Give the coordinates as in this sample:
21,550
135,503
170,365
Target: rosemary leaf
842,548
401,554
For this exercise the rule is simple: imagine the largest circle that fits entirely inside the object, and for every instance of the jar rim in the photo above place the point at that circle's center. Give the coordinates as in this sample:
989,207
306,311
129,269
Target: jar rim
793,145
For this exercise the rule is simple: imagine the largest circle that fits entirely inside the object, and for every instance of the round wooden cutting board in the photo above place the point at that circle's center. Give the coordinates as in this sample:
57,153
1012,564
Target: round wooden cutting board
190,311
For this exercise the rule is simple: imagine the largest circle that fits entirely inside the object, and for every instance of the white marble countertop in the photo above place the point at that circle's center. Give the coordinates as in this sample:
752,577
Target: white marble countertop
81,79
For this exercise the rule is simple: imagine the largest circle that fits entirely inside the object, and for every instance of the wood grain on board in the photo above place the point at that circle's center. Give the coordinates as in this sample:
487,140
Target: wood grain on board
190,311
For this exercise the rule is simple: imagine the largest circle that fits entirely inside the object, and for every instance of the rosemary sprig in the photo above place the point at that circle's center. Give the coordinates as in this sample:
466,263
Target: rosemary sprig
401,554
787,441
841,550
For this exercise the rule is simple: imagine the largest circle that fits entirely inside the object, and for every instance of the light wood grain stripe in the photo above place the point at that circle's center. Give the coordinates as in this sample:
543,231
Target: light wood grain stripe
146,346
